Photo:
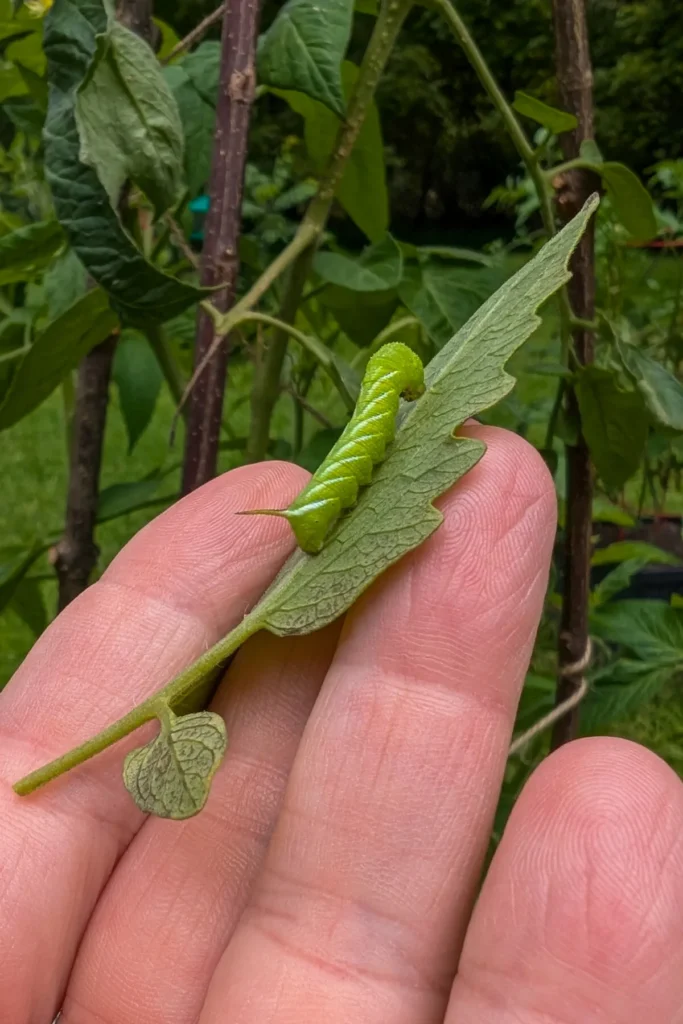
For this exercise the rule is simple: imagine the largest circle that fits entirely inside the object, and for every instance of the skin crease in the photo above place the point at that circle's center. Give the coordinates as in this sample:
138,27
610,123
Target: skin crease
331,876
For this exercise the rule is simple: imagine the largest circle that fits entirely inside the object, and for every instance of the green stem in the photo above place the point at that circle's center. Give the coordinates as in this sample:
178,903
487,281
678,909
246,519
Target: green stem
512,125
266,389
172,694
322,354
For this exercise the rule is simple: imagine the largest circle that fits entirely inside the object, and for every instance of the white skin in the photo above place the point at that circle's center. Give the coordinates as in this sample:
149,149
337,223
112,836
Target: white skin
331,876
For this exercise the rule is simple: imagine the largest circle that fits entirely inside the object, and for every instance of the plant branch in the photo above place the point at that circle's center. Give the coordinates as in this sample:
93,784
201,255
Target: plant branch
322,354
512,125
76,552
220,259
574,74
303,403
196,34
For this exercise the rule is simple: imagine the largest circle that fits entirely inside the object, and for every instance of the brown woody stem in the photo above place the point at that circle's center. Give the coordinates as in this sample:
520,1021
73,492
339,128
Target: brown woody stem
220,260
575,78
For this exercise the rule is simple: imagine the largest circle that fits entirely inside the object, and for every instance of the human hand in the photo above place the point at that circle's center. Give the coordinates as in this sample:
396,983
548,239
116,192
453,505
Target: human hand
330,878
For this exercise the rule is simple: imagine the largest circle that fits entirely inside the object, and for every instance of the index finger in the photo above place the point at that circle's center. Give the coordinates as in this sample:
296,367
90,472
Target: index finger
179,585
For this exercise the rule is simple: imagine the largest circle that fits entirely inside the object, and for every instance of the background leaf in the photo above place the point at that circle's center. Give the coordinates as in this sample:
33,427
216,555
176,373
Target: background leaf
128,120
171,776
556,121
27,251
55,352
444,295
304,47
138,377
663,394
14,564
622,550
28,603
614,423
138,290
378,268
363,189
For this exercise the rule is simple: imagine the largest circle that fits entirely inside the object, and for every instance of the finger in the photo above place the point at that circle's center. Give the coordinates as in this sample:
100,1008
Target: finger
581,914
173,591
170,908
367,884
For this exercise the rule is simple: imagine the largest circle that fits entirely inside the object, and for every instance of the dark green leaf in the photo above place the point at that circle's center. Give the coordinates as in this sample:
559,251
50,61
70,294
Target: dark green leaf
650,630
662,392
318,447
619,691
363,189
443,295
138,377
14,564
379,267
122,499
616,581
198,119
614,423
64,283
27,251
203,68
59,348
138,289
128,120
28,603
171,776
556,121
304,47
630,200
622,550
361,315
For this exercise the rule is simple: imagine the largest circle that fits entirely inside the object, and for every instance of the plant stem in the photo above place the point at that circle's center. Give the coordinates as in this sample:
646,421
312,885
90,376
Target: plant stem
220,258
312,345
512,125
574,74
196,34
171,695
266,389
76,552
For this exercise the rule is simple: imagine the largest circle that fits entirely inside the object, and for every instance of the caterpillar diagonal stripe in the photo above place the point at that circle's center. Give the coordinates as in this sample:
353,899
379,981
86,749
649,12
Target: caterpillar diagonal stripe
392,373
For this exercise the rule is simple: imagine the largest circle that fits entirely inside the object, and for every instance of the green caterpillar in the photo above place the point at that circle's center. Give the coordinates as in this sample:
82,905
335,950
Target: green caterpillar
393,372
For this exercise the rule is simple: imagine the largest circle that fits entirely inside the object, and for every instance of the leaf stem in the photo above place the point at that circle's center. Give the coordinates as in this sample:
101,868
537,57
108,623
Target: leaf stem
172,694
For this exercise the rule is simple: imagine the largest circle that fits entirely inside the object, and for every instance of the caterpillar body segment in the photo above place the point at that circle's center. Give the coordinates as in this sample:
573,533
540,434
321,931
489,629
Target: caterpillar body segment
392,373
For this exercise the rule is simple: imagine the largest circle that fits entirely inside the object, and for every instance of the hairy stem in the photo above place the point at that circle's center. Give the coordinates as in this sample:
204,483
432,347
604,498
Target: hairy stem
220,260
574,74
